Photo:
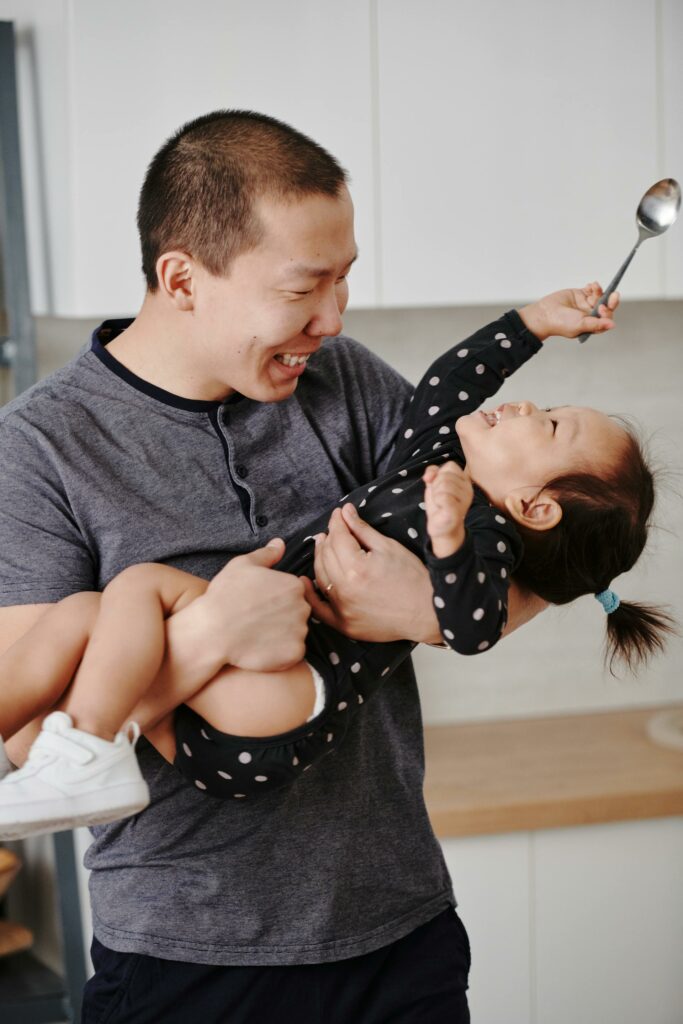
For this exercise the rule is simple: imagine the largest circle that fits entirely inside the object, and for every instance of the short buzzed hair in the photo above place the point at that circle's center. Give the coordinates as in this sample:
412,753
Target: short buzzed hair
199,191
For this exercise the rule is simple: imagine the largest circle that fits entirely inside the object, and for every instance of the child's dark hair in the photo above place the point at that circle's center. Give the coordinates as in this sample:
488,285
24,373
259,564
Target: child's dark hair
601,534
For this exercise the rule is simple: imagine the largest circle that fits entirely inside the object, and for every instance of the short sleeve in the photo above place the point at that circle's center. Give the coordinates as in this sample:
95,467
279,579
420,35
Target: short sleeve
43,556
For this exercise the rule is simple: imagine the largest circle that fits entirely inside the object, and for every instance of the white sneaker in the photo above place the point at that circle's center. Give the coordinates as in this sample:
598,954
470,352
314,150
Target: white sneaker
72,778
6,765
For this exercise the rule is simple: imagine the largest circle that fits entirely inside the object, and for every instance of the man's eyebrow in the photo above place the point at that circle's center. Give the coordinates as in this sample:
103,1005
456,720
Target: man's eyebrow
304,270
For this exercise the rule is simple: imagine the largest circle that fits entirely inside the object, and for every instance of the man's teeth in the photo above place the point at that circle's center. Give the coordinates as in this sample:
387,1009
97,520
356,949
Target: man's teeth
492,417
291,360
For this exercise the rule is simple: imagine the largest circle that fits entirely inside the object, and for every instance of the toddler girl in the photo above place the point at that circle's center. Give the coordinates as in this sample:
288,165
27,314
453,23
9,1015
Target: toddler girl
559,497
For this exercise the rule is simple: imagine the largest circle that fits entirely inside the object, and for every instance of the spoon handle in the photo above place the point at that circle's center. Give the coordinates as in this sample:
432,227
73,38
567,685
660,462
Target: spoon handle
611,287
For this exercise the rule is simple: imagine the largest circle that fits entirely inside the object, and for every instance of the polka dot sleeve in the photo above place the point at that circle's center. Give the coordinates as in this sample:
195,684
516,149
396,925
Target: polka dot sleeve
471,586
460,380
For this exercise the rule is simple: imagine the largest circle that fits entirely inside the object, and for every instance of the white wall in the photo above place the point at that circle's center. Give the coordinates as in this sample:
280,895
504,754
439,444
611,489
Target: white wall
489,151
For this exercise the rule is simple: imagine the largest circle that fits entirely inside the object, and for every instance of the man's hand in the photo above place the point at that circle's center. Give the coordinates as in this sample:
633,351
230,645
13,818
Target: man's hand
448,496
566,314
256,618
380,590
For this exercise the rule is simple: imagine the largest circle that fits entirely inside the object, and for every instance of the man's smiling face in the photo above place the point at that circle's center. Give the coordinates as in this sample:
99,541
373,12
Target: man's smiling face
261,322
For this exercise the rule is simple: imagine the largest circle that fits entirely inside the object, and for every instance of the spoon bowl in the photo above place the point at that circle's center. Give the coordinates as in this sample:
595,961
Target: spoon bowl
656,212
658,208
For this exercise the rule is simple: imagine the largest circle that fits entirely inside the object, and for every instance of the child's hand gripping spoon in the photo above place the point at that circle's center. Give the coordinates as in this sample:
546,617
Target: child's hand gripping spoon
656,212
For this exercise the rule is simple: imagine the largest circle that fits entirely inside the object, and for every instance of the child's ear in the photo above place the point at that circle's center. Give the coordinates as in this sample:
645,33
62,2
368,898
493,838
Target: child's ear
536,510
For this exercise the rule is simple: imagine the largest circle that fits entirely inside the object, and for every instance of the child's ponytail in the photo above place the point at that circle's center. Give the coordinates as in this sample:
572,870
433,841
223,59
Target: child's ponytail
634,632
602,533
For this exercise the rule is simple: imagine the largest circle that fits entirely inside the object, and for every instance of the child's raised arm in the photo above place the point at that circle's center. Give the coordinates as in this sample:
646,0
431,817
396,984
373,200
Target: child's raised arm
566,314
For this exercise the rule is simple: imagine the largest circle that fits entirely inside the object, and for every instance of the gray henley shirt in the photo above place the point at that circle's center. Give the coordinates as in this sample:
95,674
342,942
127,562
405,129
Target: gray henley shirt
100,470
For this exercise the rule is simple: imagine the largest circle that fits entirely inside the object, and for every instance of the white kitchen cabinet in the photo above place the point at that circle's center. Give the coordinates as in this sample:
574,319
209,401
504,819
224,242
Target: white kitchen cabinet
608,908
132,73
576,924
491,880
670,85
495,153
514,146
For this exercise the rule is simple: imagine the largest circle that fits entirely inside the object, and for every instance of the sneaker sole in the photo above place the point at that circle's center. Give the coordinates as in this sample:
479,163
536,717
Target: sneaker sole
43,818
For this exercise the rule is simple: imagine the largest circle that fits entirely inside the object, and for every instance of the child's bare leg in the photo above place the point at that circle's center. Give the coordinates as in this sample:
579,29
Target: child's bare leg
246,703
127,645
36,670
241,703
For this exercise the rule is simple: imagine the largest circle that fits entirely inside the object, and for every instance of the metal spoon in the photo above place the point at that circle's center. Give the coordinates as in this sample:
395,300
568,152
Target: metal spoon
656,212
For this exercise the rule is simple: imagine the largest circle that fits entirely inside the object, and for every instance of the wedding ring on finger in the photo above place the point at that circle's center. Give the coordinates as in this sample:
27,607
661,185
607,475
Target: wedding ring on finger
328,588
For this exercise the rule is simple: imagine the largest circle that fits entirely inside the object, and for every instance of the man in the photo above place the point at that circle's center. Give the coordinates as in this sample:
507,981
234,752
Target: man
212,422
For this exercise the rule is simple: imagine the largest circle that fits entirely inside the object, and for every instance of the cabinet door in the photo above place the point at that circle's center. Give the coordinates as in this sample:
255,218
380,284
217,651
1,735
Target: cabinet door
140,70
491,882
514,147
609,923
671,101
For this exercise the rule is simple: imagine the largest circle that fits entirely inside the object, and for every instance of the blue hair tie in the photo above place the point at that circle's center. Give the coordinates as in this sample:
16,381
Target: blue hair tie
609,600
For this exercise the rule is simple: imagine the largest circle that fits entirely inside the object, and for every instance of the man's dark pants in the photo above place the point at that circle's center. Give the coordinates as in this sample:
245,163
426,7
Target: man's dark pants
420,979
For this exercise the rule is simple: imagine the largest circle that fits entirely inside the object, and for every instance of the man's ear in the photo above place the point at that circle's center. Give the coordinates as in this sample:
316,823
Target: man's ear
176,281
538,510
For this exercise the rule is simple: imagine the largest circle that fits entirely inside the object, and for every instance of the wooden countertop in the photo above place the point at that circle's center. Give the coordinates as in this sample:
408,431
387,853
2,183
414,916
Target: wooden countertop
538,773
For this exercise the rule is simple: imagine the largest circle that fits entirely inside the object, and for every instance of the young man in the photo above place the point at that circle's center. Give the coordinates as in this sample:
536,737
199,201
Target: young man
211,423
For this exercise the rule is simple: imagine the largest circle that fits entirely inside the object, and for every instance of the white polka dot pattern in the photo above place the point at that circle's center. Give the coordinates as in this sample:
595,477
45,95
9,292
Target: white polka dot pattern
450,577
244,757
439,602
432,410
478,614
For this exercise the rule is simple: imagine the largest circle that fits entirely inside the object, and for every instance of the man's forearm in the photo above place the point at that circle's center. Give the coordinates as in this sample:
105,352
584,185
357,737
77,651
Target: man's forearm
523,606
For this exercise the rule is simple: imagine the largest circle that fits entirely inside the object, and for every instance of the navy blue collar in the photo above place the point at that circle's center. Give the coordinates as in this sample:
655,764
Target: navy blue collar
110,329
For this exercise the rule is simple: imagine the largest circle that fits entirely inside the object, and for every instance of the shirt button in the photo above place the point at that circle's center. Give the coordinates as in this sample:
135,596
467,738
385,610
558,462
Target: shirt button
241,471
261,520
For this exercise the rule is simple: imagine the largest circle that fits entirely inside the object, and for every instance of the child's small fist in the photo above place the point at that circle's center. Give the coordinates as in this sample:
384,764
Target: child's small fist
448,496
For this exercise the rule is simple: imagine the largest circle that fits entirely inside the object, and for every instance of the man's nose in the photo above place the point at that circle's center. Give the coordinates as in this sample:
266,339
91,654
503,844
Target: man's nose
327,321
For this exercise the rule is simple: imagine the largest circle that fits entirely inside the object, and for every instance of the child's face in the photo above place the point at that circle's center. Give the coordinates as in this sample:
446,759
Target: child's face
519,446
